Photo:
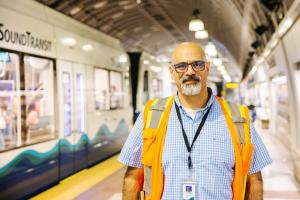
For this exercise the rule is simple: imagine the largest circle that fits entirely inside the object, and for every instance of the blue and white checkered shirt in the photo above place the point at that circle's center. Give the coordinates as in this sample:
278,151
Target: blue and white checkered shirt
212,154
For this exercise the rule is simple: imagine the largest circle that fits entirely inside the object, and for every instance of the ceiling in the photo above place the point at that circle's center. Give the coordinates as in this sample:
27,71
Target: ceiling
156,26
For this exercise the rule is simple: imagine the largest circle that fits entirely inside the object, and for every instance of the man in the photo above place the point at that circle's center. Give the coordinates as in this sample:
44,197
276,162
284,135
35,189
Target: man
207,170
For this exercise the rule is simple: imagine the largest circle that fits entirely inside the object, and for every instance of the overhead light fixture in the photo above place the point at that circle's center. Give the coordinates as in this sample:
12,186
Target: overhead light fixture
227,78
279,80
146,62
217,61
138,1
75,10
221,67
196,24
211,49
117,15
87,47
203,34
70,42
155,68
123,59
100,4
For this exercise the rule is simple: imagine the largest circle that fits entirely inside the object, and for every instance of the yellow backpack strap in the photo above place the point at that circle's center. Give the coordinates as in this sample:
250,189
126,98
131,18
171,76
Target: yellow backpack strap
156,114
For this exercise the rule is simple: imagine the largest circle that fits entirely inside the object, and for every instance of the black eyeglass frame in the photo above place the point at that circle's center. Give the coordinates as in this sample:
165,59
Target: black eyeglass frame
175,66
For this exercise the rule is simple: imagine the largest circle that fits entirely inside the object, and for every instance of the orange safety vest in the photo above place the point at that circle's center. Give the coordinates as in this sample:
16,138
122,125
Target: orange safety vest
156,115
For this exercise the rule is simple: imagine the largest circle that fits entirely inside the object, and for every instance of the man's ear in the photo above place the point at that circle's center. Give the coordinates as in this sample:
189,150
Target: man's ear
208,66
171,69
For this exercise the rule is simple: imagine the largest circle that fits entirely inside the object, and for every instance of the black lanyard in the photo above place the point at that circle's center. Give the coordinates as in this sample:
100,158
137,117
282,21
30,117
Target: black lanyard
187,144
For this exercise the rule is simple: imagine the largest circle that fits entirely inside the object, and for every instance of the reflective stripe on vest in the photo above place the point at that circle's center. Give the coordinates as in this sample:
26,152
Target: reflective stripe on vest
155,125
156,115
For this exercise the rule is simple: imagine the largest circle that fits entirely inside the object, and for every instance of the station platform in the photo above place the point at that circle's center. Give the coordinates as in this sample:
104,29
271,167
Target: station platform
104,181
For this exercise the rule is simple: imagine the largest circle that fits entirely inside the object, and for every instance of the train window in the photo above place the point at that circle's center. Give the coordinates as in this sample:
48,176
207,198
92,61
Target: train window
38,94
67,103
116,90
80,103
9,101
101,89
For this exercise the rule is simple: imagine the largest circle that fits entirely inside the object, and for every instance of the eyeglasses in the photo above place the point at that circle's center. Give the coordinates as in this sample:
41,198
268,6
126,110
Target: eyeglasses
198,65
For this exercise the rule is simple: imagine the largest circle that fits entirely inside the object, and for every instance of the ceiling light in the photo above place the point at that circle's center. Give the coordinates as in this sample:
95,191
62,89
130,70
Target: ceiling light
227,78
136,29
155,68
88,47
117,15
123,59
221,67
138,1
70,42
279,80
196,24
203,34
122,3
128,7
146,62
100,4
75,10
217,61
211,50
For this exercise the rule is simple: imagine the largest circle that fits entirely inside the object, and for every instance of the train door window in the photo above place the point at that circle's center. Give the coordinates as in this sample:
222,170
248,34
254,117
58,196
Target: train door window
67,103
80,102
9,101
101,89
116,90
38,93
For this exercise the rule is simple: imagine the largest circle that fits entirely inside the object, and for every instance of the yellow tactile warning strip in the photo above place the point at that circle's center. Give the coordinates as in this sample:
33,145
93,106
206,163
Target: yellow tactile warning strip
74,185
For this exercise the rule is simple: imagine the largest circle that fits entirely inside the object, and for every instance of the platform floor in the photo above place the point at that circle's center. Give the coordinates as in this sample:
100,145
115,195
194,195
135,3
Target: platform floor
104,181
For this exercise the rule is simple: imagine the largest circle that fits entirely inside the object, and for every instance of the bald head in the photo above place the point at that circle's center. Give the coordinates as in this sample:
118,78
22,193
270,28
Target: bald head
188,51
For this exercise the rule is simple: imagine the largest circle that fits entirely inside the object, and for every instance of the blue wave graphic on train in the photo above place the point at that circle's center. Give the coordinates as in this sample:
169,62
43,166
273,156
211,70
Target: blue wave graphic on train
32,157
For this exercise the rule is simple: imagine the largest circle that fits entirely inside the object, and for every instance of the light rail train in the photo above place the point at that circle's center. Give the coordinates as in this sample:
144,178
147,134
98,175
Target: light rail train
63,106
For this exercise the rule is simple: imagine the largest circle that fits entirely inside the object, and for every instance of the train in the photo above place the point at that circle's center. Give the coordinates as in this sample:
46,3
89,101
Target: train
65,100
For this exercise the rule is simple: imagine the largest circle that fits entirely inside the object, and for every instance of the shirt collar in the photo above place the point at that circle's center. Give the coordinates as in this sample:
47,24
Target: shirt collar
210,101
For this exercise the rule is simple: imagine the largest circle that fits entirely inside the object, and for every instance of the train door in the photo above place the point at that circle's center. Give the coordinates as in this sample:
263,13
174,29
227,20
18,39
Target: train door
79,133
73,142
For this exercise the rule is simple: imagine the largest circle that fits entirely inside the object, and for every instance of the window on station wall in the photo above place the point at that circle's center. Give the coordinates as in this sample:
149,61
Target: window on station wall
101,89
116,90
38,98
9,101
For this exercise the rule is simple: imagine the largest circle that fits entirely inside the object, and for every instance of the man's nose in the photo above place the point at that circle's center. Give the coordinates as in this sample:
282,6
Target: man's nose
190,70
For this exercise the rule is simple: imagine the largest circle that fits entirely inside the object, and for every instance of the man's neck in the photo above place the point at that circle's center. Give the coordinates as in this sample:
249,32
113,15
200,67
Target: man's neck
195,101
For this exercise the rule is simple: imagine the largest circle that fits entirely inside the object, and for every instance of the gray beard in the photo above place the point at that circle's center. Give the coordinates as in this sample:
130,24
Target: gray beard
191,89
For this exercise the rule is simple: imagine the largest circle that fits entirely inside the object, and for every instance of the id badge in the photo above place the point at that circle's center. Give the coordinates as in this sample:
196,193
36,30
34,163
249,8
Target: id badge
189,190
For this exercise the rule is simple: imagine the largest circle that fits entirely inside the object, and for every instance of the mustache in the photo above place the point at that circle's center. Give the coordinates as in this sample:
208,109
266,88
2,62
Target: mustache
192,77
